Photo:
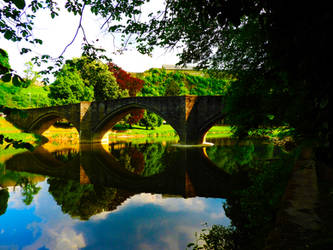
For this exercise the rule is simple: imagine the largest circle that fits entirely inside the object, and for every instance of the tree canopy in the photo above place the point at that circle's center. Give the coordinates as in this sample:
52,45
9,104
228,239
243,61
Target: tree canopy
276,50
84,79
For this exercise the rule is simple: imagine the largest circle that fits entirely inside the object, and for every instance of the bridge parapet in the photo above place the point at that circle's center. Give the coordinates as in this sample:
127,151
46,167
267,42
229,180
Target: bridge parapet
190,116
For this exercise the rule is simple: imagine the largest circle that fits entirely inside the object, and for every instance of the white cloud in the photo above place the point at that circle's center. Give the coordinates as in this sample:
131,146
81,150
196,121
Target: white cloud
169,204
58,32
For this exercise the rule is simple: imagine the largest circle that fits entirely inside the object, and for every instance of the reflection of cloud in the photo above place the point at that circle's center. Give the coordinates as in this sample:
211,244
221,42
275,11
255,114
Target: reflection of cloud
58,238
15,198
179,232
169,204
145,246
56,230
219,215
166,235
100,216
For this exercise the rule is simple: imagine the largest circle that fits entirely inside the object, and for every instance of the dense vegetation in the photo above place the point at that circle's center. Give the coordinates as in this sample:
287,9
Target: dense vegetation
275,51
16,97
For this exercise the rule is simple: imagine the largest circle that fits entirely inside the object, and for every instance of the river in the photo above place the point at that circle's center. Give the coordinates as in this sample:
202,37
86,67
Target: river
134,195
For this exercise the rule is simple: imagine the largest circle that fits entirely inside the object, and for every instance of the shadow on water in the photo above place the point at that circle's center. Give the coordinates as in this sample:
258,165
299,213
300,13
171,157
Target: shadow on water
150,168
88,179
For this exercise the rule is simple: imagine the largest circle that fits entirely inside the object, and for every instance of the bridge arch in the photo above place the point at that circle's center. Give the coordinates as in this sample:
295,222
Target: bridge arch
208,124
110,119
44,121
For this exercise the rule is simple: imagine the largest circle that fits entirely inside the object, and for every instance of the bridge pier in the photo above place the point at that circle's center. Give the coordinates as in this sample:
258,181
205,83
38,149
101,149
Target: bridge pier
190,116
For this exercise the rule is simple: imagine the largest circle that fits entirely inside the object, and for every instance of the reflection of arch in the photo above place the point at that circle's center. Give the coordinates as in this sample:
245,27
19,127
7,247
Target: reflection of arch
43,122
110,119
188,172
41,161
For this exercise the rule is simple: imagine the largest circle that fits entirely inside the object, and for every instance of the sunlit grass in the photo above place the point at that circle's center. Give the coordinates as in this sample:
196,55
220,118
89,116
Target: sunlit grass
219,131
11,132
164,130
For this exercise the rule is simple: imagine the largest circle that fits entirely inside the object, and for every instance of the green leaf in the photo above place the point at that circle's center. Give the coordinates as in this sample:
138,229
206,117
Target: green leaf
6,77
19,4
17,81
4,62
8,35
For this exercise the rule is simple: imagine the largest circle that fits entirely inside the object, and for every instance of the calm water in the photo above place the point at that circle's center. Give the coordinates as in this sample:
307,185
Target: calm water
122,196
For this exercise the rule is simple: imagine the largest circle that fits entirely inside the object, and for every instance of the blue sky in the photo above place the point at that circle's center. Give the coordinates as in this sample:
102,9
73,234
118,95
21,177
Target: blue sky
144,221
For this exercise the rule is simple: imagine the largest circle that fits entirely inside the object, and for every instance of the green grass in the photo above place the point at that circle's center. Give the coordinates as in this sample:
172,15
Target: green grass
122,131
11,132
219,131
164,131
32,96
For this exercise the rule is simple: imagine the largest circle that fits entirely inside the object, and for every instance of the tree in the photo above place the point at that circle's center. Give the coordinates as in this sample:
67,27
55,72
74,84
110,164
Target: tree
125,80
31,76
151,120
277,51
69,88
130,83
95,73
84,79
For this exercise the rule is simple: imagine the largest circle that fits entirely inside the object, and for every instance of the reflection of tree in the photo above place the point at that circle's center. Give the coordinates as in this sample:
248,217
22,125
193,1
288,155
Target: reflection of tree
252,210
25,180
233,157
65,155
83,201
153,155
144,159
4,196
216,237
29,189
132,158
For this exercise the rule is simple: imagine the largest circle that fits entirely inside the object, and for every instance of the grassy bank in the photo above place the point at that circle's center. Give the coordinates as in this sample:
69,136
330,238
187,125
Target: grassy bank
9,131
123,132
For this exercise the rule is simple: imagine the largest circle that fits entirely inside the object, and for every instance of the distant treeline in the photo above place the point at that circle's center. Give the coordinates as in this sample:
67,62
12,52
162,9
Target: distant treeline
157,82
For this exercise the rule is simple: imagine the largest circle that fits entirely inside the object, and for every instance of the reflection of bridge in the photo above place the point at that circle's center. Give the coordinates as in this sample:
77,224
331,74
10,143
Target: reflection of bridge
190,116
188,172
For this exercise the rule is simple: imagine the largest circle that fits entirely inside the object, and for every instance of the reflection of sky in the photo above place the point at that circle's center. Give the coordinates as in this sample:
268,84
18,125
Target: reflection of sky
144,221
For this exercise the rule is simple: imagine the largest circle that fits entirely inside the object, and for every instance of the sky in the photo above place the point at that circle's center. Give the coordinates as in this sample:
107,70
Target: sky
57,33
143,221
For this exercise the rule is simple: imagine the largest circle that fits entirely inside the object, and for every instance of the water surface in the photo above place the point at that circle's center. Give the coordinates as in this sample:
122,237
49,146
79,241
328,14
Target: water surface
120,196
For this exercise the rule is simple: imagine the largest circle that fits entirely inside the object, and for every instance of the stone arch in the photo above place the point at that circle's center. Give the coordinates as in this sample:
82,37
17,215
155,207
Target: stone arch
208,124
110,119
44,121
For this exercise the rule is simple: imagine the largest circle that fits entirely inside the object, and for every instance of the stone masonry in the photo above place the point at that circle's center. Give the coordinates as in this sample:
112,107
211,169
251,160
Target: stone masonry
190,116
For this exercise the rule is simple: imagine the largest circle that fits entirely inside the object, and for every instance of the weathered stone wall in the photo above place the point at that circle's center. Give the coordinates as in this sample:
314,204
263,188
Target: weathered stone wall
190,116
40,119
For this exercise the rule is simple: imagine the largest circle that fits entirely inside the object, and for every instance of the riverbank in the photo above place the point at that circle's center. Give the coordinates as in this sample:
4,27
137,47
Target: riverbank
305,217
11,132
70,135
163,131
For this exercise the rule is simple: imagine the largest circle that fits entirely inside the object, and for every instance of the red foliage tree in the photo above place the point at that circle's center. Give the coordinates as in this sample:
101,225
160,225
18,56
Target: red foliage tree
125,80
132,84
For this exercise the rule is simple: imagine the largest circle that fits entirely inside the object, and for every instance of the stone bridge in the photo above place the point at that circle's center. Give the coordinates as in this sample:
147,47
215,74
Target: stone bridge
190,116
